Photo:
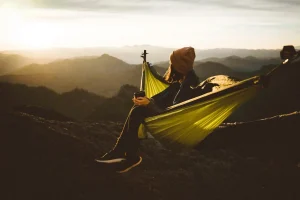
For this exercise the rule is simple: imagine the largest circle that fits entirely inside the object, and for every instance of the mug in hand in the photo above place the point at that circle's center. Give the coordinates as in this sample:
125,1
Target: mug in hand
139,94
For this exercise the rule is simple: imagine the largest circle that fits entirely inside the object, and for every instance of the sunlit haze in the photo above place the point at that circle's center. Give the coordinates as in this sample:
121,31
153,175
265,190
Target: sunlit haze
253,24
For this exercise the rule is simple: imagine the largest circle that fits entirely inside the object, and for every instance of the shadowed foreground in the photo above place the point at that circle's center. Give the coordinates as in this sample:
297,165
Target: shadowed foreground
47,159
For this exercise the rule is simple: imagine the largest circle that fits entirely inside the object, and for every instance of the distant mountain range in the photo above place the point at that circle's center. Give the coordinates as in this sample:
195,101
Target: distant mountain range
11,62
87,65
104,75
101,75
131,54
245,64
208,69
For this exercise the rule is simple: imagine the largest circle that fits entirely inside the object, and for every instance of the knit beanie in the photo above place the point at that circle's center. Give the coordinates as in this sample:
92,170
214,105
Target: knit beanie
182,59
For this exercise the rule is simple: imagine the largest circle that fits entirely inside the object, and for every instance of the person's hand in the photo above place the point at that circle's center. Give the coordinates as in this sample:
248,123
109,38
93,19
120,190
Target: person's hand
141,101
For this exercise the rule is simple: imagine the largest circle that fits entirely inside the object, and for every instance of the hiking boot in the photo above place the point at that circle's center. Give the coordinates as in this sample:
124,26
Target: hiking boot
112,156
128,163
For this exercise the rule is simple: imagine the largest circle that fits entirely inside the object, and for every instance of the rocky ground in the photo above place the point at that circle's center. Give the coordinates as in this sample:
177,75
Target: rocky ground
45,159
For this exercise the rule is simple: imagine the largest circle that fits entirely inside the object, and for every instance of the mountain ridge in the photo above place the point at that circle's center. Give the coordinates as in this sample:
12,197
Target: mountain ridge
130,54
242,64
103,75
12,62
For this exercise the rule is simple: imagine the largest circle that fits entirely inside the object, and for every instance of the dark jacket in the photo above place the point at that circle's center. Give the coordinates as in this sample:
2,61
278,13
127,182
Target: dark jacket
176,93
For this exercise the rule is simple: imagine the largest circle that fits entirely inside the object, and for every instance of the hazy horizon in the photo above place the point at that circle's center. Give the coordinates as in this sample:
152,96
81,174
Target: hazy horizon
131,46
251,24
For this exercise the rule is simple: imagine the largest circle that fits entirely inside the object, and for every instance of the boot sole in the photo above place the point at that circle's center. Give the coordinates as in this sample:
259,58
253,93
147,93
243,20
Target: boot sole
116,160
132,166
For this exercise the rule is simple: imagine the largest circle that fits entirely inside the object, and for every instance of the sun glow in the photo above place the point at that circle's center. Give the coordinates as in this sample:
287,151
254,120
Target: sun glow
24,26
34,35
25,32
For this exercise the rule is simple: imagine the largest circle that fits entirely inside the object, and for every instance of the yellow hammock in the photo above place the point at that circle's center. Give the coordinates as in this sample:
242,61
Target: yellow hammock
188,123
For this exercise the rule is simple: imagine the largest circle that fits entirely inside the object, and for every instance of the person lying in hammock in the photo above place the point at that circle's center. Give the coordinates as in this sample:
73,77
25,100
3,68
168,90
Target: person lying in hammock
182,79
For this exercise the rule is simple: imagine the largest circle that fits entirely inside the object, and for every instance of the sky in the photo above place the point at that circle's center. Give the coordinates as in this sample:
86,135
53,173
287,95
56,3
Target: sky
203,24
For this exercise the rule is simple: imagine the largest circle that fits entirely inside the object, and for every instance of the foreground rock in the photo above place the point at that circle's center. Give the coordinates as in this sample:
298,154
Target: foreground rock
49,159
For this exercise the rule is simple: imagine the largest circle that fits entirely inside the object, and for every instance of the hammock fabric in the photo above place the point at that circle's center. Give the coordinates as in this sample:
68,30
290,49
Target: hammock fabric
188,123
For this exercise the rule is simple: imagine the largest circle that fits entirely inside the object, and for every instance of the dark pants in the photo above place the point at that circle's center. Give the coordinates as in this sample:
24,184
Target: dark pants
128,140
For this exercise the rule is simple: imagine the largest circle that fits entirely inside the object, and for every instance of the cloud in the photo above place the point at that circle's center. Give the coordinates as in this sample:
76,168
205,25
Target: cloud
93,5
264,5
160,5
